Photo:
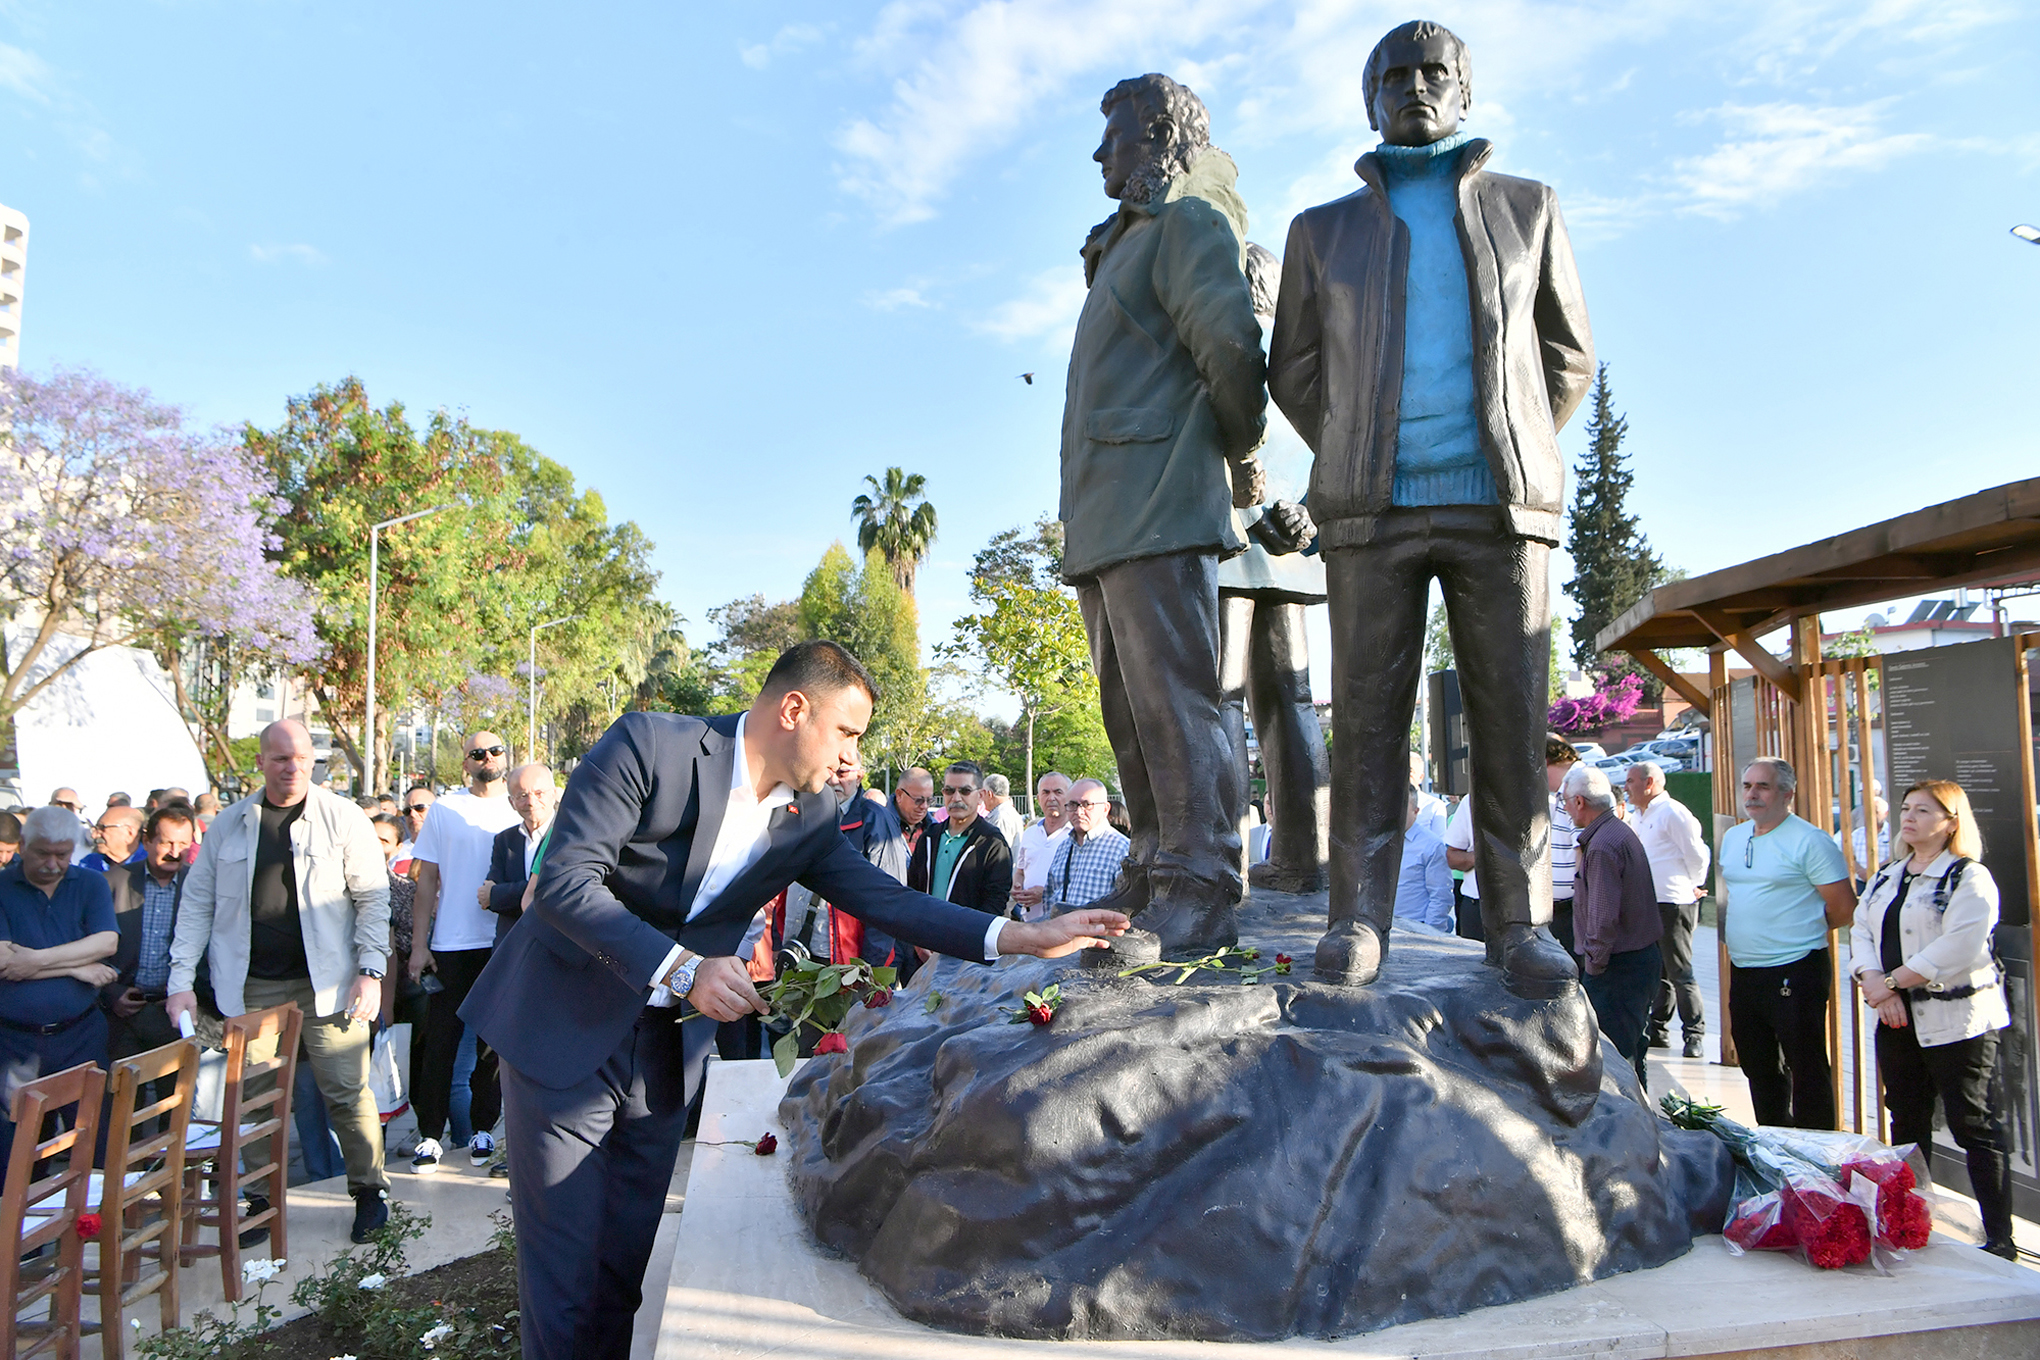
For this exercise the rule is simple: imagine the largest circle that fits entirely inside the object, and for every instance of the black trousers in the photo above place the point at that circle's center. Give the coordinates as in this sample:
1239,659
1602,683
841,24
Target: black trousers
1964,1075
432,1068
1678,986
589,1169
1621,994
1497,600
1778,1017
1153,625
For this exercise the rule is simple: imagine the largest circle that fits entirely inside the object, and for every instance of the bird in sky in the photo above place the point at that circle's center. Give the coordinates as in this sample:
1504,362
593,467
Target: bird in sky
1029,377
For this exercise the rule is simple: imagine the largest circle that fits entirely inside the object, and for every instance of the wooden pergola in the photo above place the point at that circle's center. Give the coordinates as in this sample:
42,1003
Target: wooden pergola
1819,713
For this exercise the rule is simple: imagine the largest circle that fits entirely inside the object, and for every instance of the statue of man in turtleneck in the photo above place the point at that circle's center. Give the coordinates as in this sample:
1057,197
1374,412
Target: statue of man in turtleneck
1165,407
1430,340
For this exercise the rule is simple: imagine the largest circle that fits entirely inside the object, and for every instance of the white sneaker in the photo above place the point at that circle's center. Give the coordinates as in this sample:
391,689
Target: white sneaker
481,1148
425,1160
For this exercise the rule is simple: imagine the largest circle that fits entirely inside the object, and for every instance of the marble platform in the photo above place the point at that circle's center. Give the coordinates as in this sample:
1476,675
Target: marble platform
747,1281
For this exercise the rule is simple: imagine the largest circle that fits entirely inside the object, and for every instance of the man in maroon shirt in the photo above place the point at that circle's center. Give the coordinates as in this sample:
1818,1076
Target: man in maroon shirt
1615,917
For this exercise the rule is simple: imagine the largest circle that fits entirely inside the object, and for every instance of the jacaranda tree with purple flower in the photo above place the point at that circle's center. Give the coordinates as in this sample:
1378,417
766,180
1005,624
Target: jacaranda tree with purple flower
121,525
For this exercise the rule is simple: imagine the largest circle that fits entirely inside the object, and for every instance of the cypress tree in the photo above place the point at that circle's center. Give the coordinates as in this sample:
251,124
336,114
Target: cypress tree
1613,565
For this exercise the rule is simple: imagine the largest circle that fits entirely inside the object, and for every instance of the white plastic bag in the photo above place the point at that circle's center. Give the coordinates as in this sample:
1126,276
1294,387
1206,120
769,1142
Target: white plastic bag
387,1070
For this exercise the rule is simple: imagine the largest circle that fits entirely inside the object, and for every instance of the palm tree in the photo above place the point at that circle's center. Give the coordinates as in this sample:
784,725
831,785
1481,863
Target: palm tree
889,522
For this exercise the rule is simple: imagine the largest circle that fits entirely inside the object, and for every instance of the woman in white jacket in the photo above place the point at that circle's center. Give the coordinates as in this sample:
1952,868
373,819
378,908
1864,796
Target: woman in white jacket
1921,950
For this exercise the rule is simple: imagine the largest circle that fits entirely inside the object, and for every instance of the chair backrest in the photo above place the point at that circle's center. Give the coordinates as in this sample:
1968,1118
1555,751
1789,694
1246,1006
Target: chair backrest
245,1118
128,1090
60,1199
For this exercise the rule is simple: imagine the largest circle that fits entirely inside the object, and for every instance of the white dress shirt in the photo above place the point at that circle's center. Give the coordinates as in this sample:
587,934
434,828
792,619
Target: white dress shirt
1677,851
741,841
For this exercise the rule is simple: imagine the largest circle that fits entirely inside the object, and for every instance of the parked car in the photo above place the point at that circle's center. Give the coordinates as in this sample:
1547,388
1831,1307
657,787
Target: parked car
1614,765
1590,750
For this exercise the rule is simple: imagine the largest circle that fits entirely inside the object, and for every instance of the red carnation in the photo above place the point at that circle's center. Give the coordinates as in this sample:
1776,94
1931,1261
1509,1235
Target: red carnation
88,1227
1040,1015
766,1146
879,999
832,1043
1282,962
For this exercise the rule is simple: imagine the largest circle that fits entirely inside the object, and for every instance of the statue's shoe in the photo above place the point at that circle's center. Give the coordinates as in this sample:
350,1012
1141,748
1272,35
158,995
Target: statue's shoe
1350,954
1535,965
1190,917
1130,895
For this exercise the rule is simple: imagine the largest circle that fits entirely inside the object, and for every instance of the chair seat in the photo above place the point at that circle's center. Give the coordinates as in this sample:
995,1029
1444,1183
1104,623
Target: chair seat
206,1137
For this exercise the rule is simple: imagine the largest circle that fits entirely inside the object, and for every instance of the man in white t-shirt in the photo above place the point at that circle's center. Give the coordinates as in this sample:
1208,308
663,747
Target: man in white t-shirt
452,936
1459,855
1037,847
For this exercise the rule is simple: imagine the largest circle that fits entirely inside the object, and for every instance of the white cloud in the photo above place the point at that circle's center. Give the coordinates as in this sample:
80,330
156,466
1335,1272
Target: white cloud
24,73
1046,308
303,254
893,299
1780,149
791,38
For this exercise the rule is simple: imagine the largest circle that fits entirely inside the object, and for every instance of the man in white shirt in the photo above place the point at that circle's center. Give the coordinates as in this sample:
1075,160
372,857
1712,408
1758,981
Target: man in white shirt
1037,847
1677,850
996,806
452,936
1459,856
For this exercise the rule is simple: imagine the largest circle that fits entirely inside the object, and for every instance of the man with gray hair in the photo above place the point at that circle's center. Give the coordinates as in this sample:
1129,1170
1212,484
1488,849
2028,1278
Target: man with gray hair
1785,882
996,798
1165,407
1615,919
56,930
1672,839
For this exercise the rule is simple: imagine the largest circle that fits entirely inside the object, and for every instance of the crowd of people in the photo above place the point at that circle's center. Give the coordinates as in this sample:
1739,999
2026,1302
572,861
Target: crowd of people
386,912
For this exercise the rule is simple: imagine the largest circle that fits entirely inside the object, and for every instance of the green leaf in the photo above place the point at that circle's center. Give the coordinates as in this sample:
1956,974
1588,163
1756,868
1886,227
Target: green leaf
829,985
885,977
786,1052
934,1000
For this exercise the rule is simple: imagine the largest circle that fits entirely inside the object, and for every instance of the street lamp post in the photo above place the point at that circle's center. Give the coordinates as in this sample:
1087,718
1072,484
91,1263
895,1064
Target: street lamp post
531,716
368,752
2027,233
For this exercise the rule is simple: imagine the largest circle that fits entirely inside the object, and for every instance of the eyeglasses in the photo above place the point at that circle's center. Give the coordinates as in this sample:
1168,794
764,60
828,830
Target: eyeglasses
1089,802
481,754
58,802
920,798
420,808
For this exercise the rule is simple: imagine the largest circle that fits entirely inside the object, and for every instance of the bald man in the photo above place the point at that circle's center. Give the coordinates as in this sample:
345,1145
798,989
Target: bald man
289,902
118,834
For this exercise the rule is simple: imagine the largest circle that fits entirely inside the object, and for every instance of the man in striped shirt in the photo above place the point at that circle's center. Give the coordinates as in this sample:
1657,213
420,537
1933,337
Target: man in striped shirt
1087,863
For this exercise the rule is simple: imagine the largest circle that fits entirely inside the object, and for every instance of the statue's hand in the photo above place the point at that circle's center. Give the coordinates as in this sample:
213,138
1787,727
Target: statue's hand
1249,482
1286,528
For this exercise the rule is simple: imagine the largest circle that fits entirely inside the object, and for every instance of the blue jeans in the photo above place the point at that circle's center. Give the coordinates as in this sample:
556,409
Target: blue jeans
1622,995
461,1099
317,1143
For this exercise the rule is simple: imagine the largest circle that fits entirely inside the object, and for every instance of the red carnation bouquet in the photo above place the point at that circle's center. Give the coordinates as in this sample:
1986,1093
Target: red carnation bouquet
1829,1198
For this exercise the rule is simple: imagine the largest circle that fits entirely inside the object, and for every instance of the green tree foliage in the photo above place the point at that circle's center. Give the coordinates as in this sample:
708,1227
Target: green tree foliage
891,521
868,611
1028,636
1613,563
459,590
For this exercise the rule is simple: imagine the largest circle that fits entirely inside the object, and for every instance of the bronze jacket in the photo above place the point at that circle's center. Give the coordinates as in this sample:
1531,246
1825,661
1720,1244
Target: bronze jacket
1335,363
1165,379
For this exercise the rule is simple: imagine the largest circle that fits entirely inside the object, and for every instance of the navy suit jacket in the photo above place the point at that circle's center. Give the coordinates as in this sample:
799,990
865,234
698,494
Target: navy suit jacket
506,874
630,844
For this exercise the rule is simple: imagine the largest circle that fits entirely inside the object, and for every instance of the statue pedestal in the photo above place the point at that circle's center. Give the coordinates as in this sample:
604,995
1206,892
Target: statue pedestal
749,1282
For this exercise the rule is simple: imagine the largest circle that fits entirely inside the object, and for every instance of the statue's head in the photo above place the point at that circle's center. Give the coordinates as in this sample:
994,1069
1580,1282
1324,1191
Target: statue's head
1264,278
1154,129
1418,84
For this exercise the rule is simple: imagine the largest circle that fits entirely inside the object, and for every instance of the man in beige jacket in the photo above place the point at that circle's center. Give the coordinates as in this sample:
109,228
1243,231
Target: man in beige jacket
289,901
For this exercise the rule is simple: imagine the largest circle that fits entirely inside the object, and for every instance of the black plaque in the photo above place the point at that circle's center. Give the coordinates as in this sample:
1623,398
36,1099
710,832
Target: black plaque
1448,735
1742,727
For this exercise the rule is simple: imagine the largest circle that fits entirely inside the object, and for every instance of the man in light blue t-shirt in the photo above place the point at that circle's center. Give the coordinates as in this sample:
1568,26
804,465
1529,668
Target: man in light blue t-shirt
1787,883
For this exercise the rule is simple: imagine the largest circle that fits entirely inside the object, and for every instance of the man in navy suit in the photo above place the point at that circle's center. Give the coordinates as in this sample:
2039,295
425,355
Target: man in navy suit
671,835
534,797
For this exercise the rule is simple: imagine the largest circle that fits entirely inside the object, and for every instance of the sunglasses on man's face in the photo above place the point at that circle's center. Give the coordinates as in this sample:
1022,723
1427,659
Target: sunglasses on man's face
58,802
481,754
951,790
420,808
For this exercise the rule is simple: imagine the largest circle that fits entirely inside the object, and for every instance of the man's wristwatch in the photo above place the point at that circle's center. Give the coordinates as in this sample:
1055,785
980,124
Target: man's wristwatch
681,982
375,973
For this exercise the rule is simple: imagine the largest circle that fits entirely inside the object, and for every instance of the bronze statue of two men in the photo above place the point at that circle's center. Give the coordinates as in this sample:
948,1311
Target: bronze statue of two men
1429,339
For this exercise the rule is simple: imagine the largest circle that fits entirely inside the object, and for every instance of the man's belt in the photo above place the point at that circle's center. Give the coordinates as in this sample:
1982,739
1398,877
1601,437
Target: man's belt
45,1031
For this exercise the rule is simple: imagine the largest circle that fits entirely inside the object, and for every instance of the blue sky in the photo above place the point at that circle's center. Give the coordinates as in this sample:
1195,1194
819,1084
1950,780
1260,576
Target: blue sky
723,261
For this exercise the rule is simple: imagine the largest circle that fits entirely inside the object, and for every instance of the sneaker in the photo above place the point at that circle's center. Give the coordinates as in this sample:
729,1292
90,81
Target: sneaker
425,1160
251,1206
371,1211
1696,1046
480,1148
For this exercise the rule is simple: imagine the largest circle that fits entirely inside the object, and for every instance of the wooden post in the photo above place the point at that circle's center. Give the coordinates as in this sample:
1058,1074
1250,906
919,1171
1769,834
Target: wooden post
1727,784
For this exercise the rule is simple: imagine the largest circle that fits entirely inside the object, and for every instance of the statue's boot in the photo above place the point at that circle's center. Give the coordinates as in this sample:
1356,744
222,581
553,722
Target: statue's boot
1533,964
1287,878
1130,894
1351,953
1191,917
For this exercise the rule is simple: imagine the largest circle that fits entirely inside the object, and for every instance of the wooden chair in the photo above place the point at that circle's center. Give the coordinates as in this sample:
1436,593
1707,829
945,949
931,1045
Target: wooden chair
40,1213
255,1108
140,1195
